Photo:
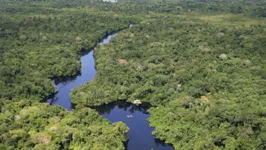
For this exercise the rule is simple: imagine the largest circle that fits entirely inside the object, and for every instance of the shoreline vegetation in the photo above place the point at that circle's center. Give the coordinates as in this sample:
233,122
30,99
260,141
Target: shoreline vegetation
201,65
62,79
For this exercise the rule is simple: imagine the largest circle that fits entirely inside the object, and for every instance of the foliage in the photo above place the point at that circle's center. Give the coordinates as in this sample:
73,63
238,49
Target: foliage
36,49
204,73
38,44
206,80
31,125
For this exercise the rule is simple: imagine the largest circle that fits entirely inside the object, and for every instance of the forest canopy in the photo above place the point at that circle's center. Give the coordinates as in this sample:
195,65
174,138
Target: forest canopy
199,63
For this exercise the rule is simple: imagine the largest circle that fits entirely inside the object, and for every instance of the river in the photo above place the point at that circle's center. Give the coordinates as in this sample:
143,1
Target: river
140,133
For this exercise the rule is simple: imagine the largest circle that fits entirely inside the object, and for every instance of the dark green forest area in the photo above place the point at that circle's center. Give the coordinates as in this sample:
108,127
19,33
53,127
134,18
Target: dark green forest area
51,44
201,64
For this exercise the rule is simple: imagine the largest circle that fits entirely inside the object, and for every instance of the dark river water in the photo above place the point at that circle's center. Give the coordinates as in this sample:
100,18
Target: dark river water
140,137
140,133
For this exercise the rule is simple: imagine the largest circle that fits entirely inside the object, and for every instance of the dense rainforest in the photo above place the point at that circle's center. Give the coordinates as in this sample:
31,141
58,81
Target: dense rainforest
199,63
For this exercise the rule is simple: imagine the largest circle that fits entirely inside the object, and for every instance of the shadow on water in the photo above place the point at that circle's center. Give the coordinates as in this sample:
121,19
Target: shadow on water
66,79
126,106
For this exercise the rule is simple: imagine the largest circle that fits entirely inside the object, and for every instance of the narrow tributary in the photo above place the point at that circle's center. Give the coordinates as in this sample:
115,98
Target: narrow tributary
140,133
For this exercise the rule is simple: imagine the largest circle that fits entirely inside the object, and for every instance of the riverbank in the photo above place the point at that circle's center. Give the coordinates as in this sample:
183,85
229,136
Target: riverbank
140,133
190,71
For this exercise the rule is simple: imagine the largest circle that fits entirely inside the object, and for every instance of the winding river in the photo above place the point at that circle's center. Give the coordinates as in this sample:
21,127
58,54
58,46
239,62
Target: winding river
140,133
